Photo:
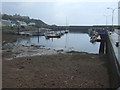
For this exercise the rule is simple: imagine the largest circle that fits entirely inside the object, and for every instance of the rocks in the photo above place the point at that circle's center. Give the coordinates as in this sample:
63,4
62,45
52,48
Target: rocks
48,71
8,51
45,75
21,67
23,45
28,59
7,46
4,42
60,50
65,82
53,84
32,45
72,77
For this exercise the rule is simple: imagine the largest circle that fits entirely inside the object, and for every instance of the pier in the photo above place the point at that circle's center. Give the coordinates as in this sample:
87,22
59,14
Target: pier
109,45
112,51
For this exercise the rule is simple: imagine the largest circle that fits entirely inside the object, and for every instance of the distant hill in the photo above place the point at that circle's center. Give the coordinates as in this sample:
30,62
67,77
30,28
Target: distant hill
26,19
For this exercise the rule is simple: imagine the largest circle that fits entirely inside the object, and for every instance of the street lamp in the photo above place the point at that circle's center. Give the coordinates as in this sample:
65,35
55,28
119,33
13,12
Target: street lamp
113,9
106,19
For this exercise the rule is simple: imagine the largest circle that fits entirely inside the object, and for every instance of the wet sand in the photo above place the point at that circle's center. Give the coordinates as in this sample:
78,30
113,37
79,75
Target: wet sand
67,70
71,70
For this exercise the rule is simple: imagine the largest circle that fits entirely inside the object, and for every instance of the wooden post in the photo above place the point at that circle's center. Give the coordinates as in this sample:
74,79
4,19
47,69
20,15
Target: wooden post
101,50
18,30
38,35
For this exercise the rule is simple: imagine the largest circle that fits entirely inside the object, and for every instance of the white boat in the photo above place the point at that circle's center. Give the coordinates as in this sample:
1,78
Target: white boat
52,36
66,31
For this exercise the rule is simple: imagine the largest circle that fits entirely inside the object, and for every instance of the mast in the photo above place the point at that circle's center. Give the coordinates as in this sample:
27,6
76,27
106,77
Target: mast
66,22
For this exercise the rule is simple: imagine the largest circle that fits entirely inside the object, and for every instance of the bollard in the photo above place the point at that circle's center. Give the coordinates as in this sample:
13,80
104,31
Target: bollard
117,44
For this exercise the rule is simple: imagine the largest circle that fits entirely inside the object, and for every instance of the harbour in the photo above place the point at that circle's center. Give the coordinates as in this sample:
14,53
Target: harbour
71,41
59,44
52,68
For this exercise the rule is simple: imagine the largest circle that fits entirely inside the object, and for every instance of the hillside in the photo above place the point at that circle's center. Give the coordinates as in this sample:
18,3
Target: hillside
26,19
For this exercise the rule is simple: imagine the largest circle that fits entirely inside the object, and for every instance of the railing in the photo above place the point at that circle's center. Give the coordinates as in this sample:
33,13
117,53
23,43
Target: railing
113,65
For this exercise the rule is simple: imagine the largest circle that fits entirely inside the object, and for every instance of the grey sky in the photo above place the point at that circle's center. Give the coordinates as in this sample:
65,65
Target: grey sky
78,13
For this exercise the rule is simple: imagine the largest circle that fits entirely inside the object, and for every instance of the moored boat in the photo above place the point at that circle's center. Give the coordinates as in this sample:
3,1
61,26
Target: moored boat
66,31
52,36
98,38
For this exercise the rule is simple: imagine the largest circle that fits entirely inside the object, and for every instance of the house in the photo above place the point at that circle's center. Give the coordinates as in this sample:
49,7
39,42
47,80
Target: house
6,23
15,23
31,24
21,23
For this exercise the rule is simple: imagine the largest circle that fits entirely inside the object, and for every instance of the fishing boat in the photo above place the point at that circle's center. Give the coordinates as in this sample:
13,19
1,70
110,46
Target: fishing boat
98,38
66,31
93,39
62,32
52,35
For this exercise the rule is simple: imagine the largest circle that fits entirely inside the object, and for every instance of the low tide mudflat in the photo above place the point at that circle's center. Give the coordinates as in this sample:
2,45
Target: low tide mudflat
61,70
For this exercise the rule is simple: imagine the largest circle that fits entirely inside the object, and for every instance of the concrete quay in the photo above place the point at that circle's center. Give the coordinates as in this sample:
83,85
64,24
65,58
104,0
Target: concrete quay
113,53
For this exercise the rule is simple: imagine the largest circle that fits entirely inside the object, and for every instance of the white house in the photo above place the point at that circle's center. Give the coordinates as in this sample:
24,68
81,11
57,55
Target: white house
21,23
31,24
6,23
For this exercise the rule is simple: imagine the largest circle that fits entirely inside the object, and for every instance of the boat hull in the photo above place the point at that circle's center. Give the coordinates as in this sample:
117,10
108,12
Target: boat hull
52,37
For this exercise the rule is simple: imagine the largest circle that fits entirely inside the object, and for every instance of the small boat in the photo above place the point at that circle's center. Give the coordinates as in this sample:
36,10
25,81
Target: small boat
95,36
66,31
52,36
98,39
93,39
62,32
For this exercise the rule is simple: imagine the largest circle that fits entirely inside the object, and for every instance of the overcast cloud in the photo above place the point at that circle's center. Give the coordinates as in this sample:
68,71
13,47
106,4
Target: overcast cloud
77,13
